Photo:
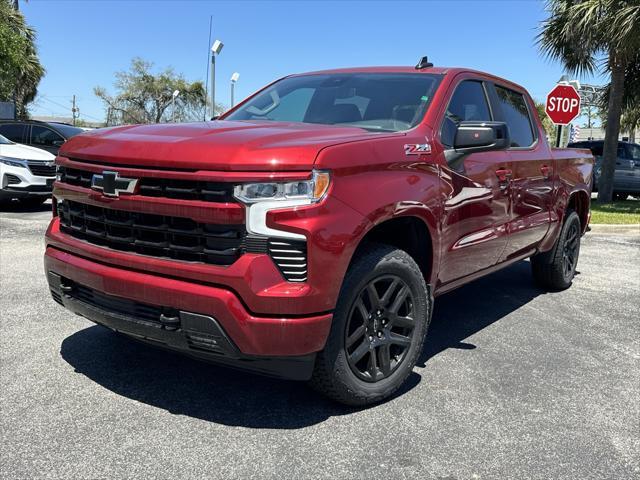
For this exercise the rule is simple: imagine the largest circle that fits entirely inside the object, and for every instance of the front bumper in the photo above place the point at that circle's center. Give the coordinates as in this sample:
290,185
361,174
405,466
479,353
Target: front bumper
284,347
29,185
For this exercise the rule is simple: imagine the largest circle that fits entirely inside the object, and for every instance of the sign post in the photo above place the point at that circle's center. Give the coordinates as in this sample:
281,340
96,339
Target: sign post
563,105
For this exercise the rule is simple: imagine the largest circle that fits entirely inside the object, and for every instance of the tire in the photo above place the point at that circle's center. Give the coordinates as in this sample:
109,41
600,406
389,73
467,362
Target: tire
392,323
555,270
32,202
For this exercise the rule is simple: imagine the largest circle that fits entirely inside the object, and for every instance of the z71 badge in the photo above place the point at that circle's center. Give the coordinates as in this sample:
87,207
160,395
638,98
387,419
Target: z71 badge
417,148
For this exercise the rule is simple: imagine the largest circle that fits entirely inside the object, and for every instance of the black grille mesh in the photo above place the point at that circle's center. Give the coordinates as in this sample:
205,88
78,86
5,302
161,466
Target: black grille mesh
220,192
156,235
41,170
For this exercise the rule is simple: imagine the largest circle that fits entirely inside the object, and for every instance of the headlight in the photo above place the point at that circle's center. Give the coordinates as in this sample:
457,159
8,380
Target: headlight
311,190
14,162
262,197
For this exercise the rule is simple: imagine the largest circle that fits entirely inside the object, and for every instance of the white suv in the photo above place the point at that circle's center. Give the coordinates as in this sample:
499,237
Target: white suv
26,173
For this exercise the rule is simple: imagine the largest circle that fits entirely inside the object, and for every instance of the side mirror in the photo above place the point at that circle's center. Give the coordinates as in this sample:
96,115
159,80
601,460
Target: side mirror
481,137
215,118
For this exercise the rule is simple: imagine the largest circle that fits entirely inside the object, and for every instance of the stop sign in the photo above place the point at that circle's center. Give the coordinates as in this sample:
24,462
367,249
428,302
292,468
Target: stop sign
563,104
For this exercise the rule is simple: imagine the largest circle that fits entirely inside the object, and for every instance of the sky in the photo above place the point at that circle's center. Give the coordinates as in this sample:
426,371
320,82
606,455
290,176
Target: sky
83,42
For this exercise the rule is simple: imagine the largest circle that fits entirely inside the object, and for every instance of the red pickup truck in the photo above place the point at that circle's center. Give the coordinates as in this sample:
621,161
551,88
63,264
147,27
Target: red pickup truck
305,233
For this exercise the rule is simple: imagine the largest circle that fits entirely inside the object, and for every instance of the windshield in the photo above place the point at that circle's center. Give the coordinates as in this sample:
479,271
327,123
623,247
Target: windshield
67,131
5,141
386,102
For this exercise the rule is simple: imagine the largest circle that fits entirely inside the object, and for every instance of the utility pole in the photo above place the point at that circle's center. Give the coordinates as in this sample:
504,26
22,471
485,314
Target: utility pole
75,111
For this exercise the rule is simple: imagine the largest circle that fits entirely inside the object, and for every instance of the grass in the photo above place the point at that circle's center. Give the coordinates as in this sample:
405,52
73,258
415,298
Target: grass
620,213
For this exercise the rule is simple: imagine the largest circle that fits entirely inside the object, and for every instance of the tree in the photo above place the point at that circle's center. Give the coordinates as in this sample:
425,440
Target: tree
596,35
20,69
547,124
144,97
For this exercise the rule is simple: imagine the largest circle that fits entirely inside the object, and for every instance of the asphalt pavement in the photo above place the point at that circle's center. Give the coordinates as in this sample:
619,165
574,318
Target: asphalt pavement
513,383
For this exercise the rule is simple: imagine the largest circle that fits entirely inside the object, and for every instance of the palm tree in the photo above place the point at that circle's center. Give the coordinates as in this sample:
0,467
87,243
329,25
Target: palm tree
596,35
26,70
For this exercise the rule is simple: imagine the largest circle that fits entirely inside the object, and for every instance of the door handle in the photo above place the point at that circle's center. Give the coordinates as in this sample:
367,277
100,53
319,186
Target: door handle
546,171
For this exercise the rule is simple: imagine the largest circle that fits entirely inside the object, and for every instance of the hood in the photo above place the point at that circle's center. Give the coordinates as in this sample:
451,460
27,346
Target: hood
218,145
25,153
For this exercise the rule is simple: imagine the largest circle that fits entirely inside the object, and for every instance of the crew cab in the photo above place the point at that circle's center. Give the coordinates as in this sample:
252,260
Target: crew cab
306,233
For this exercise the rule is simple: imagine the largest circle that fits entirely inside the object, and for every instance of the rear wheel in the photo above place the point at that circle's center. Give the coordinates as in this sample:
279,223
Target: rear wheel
555,270
378,328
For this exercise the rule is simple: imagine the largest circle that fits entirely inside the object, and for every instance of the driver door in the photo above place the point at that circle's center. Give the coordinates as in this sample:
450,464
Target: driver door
476,201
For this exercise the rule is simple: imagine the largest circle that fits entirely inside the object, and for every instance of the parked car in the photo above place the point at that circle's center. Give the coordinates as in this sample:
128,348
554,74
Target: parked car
49,136
626,180
305,233
26,173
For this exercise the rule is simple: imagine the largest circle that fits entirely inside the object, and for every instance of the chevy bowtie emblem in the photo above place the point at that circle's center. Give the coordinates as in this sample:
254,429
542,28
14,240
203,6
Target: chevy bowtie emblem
112,185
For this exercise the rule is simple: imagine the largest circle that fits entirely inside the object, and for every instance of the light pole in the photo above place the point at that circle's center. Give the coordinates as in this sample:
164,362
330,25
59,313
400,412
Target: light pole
216,48
234,79
173,105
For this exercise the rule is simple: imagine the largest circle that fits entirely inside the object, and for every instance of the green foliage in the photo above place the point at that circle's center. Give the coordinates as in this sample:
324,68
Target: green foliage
20,69
587,35
547,124
626,212
144,97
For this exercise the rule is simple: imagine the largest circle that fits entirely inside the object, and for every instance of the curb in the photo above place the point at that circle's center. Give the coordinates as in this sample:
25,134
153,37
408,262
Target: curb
633,228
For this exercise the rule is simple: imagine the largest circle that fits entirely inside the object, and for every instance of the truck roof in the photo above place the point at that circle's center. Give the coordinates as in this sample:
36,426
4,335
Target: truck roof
407,69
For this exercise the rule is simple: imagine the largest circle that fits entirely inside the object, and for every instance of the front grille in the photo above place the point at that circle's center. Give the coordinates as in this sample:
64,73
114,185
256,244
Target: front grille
220,192
291,258
155,235
42,170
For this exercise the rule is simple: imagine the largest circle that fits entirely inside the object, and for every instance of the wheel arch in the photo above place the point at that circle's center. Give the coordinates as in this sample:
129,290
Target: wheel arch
580,202
409,232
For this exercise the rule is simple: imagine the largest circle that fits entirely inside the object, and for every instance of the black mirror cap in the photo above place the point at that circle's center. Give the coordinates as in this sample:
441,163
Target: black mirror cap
474,136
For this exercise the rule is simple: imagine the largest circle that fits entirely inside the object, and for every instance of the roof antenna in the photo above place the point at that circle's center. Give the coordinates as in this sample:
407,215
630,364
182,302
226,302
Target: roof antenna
423,63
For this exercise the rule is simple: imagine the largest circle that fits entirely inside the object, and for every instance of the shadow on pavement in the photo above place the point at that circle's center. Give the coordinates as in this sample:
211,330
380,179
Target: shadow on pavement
185,386
475,306
16,206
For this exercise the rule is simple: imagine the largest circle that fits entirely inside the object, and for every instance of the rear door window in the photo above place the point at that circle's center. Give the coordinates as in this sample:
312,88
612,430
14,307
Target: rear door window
517,117
468,102
44,136
13,131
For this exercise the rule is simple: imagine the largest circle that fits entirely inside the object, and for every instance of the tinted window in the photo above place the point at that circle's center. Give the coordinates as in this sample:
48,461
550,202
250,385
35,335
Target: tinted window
67,130
44,136
633,152
516,116
13,131
468,102
372,101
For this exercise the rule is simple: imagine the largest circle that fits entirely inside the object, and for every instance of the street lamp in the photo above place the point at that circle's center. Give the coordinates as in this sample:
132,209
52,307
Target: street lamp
234,79
216,48
173,104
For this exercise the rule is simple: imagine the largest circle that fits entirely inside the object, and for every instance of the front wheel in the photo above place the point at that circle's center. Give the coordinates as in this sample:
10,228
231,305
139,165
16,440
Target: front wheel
555,270
379,326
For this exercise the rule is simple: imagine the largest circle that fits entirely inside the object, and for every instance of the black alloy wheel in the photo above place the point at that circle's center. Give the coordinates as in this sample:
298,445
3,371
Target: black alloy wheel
380,327
570,250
